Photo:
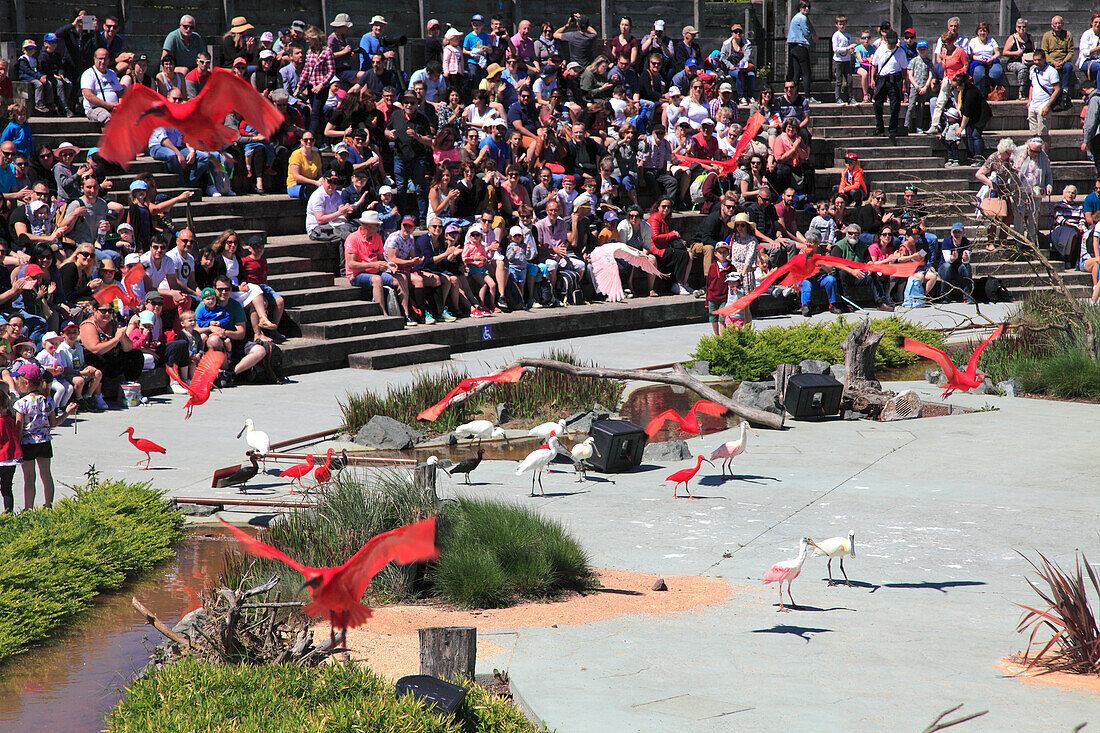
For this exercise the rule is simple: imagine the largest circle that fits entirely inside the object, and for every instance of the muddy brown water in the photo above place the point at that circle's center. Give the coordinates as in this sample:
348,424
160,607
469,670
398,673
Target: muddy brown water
70,683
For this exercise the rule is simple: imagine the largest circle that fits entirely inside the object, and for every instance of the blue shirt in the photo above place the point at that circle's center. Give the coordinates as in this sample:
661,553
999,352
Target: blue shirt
1092,203
20,135
474,41
800,31
369,45
499,152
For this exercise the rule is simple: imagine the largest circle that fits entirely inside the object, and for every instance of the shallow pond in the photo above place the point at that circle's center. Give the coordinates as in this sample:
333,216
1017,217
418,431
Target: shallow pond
70,683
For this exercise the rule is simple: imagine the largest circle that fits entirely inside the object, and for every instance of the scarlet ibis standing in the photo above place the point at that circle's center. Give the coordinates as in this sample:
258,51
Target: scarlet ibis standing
788,570
547,429
323,473
955,379
684,475
467,466
147,447
480,429
581,452
298,472
239,476
537,461
339,591
730,450
837,547
689,423
202,381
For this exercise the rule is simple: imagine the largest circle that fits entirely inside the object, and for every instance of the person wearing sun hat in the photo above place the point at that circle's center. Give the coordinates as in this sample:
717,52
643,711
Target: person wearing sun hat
344,56
240,42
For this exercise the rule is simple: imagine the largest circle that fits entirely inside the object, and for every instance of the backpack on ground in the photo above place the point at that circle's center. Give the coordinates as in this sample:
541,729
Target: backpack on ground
569,286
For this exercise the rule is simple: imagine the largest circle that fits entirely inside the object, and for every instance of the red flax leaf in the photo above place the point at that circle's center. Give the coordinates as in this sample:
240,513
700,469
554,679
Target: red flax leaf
1074,645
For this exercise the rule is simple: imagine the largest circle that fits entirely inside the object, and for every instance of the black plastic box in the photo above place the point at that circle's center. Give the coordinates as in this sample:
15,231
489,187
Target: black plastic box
618,447
811,396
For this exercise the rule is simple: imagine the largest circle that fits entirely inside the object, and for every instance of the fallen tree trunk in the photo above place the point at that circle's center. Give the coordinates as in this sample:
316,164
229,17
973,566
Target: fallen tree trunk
680,377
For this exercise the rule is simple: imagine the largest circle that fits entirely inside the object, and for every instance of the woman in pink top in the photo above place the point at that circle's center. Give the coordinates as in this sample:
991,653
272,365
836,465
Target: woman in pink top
954,60
883,251
514,192
476,258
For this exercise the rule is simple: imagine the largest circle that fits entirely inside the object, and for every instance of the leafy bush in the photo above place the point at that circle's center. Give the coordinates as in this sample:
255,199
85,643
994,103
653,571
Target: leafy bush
1074,626
491,554
541,392
53,562
195,696
745,353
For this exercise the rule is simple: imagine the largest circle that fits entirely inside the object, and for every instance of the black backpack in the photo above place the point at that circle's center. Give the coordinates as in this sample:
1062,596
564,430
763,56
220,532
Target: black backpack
569,286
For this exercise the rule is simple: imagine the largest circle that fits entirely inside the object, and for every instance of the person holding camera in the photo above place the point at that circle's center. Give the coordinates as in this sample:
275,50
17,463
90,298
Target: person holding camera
581,40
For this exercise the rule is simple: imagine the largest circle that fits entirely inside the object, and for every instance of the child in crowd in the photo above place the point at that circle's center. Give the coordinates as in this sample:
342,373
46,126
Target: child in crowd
7,379
951,138
763,269
209,313
387,212
718,289
863,53
10,452
254,271
50,362
843,66
87,380
521,251
24,351
568,195
34,417
140,332
823,223
196,344
852,181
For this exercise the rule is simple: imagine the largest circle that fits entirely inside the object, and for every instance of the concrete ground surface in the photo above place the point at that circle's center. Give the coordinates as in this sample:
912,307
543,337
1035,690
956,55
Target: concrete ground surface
939,507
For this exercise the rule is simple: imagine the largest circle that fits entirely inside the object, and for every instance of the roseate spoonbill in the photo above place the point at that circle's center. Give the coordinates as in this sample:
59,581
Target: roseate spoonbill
731,449
684,475
955,379
323,472
239,476
467,466
147,447
547,429
581,452
837,547
689,423
537,461
788,570
480,429
467,387
142,111
299,471
202,381
339,591
605,270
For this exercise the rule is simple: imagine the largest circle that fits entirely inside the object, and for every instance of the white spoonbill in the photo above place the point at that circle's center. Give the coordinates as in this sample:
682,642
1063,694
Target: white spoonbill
480,429
788,570
581,452
537,461
257,439
547,429
728,451
837,547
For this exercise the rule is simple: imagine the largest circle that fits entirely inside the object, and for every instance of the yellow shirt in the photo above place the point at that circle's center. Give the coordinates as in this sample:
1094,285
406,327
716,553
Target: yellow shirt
307,168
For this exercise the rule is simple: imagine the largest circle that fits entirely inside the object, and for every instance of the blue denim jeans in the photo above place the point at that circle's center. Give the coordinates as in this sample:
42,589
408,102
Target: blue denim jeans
195,175
828,282
416,171
744,82
994,73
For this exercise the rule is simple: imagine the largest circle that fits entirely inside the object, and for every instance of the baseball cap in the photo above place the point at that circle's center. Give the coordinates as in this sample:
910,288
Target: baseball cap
267,37
131,259
33,271
452,33
30,372
958,227
55,336
146,318
691,62
500,123
478,17
298,25
922,44
707,122
332,175
658,25
154,295
725,87
208,291
67,325
851,156
408,219
370,217
125,226
884,25
452,229
515,230
384,190
549,69
240,61
49,38
340,148
433,23
574,65
29,43
267,53
609,216
674,91
909,32
139,185
689,29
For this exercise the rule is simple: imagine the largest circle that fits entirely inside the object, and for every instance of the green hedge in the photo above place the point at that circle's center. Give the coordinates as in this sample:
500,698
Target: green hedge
745,353
196,696
53,562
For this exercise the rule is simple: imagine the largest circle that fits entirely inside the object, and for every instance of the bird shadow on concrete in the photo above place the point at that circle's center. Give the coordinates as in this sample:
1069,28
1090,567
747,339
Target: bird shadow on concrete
160,468
555,494
599,479
476,483
720,481
853,584
255,489
802,632
815,609
940,586
700,496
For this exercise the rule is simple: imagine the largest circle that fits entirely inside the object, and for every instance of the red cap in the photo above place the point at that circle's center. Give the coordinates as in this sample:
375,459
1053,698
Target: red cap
851,156
33,271
910,31
240,61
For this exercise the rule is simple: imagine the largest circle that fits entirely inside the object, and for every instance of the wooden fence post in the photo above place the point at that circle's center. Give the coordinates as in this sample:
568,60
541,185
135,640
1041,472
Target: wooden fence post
448,651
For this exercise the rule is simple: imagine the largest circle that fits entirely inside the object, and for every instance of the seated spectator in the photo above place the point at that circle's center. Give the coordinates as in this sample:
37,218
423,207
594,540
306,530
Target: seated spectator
242,354
884,250
167,145
327,214
87,380
304,169
254,272
822,279
92,218
197,77
851,247
79,276
248,295
1069,226
100,88
169,79
443,258
792,159
668,247
478,261
107,347
955,272
365,261
852,183
27,71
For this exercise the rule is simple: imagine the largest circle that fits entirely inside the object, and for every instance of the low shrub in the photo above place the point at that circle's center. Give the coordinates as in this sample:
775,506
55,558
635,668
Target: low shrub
540,393
745,353
492,554
1074,627
53,562
190,695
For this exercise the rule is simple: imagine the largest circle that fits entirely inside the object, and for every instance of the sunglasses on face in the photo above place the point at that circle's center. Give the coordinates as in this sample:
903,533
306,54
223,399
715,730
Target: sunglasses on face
222,290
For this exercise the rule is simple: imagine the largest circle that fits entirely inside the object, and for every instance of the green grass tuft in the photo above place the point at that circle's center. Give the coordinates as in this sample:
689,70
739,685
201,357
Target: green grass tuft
195,696
53,562
744,353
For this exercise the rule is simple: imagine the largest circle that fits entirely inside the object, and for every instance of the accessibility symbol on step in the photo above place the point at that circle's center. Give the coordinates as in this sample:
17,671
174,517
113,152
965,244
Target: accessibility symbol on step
486,333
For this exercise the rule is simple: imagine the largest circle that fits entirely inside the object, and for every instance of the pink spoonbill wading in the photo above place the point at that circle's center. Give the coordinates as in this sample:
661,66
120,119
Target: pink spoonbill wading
788,570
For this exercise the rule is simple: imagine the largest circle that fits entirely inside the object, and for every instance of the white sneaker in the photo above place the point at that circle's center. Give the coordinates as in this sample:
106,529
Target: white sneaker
813,101
176,388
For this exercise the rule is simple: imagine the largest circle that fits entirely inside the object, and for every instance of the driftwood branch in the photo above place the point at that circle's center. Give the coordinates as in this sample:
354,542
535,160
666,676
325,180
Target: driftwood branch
937,725
156,623
679,377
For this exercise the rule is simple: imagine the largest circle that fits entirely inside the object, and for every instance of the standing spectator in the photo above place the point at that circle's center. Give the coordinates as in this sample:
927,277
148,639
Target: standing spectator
580,38
475,48
1044,95
1090,127
433,45
920,88
18,132
79,42
35,415
800,36
546,46
413,134
888,67
624,45
1017,53
109,39
239,42
1057,44
184,45
344,55
954,61
316,75
843,65
100,88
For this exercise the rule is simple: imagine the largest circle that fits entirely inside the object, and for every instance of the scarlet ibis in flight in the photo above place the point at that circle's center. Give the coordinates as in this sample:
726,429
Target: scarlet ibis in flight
689,423
203,379
323,472
256,439
200,120
299,471
467,387
467,466
956,380
537,461
837,547
147,447
339,591
730,450
684,475
480,429
788,570
582,452
547,429
238,476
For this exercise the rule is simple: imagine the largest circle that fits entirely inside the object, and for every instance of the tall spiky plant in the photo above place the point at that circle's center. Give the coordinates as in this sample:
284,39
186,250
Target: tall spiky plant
1074,645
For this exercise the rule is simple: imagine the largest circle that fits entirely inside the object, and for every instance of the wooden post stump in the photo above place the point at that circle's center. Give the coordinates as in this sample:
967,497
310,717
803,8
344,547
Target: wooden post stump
448,651
424,477
783,372
861,389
